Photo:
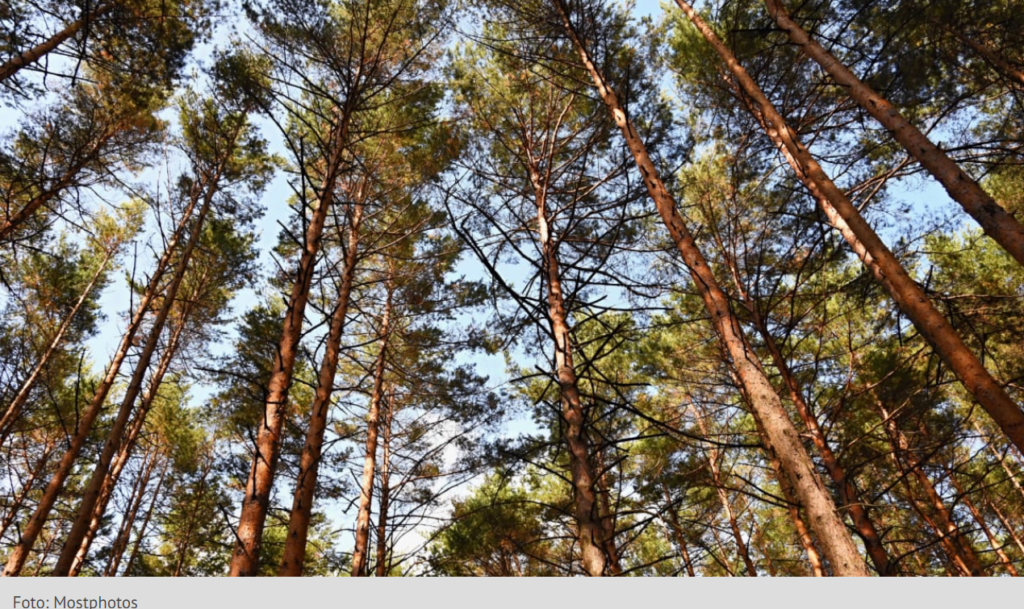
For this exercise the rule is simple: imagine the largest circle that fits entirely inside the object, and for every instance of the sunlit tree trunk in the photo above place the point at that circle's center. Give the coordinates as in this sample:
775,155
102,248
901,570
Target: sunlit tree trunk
385,487
993,219
256,503
1007,526
887,270
997,547
124,531
848,495
360,554
80,527
34,525
30,56
590,532
127,445
26,487
723,495
938,516
302,504
836,542
145,521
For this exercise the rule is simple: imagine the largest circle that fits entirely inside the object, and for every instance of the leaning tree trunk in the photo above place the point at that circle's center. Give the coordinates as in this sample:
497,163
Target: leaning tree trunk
80,527
723,496
302,505
32,528
27,58
14,408
12,221
993,219
26,488
256,502
836,542
939,517
124,531
145,521
128,445
360,554
677,533
887,270
848,496
997,547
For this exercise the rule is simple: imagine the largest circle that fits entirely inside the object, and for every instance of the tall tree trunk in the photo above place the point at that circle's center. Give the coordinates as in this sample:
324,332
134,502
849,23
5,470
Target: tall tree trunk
836,542
256,503
607,517
12,221
385,488
21,60
887,270
993,219
302,504
131,513
723,495
186,542
1006,525
35,524
590,532
14,408
360,554
940,518
80,528
997,547
145,521
127,445
848,495
677,532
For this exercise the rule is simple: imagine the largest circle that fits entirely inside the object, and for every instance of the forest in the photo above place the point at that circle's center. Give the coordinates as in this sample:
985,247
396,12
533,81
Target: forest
512,288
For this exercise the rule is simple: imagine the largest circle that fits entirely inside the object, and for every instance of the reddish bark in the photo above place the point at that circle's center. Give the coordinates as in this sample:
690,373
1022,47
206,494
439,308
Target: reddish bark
302,504
256,503
887,270
993,219
360,554
836,542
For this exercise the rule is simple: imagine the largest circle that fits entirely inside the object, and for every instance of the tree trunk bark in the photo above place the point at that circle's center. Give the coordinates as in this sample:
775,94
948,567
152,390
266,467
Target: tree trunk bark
993,219
128,445
385,489
124,531
1006,525
12,222
677,532
145,521
12,66
843,215
360,554
80,527
957,547
590,532
723,496
302,504
849,497
997,547
256,503
34,526
26,488
836,542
